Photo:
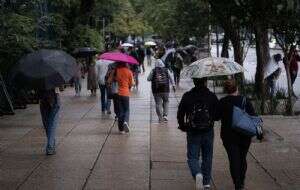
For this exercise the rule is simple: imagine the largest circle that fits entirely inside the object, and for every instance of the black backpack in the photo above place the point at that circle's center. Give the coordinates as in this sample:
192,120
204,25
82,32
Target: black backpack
200,119
161,77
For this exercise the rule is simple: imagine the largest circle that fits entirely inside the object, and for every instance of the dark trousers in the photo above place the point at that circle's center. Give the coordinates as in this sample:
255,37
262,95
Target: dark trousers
176,73
293,76
237,155
200,146
123,111
115,99
105,102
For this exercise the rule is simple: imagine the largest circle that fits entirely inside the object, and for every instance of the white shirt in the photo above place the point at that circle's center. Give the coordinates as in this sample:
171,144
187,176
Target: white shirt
101,70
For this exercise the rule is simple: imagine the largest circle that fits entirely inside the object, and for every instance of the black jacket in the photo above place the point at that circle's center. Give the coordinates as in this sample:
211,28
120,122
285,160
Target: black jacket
190,98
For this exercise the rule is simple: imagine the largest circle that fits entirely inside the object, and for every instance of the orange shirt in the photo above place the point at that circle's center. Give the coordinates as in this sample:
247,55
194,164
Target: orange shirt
124,78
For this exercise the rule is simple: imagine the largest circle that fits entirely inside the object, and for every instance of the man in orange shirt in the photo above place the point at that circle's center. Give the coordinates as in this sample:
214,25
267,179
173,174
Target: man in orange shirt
124,78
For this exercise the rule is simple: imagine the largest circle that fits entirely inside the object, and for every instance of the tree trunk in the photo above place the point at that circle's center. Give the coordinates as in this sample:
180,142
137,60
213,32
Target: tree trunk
263,56
225,46
289,108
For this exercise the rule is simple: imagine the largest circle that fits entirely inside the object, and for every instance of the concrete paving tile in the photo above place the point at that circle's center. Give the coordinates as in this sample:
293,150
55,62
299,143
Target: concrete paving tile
120,184
172,184
47,183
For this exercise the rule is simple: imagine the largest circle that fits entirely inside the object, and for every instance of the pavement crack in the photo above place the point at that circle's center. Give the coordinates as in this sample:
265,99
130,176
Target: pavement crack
98,156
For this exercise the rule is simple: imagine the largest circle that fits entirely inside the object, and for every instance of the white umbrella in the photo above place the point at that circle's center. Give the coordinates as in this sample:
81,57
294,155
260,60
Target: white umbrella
150,43
127,45
210,67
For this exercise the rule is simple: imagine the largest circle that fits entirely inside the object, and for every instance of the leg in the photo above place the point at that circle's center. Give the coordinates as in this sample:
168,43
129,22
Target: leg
103,96
244,152
53,124
121,116
165,98
126,109
158,105
207,146
233,153
116,104
193,154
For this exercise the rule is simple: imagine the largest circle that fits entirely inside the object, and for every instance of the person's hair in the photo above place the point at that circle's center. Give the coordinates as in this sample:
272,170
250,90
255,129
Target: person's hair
200,82
121,64
161,52
230,86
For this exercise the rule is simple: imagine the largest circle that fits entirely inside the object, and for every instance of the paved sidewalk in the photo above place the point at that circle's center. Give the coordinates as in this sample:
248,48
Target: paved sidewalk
92,155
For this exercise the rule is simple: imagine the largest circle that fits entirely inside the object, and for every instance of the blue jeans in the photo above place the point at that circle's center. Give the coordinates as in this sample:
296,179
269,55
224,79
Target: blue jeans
105,102
123,116
200,145
161,104
77,84
50,115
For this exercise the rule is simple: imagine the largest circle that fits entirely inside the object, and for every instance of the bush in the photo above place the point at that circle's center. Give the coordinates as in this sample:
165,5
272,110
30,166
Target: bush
17,37
84,36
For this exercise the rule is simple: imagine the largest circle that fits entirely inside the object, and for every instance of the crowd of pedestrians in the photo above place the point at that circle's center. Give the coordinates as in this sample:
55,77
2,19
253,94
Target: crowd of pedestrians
198,109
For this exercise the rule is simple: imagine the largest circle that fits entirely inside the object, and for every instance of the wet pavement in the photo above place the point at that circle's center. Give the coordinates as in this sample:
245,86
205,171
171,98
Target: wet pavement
92,155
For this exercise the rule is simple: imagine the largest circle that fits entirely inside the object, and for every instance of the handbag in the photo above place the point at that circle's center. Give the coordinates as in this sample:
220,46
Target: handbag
245,123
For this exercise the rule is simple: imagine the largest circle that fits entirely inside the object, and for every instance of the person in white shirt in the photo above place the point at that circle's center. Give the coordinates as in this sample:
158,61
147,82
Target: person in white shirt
101,70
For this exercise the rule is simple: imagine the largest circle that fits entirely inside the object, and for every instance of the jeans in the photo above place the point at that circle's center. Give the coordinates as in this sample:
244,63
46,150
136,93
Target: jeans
161,104
123,111
50,116
176,73
200,145
77,84
237,155
149,60
105,102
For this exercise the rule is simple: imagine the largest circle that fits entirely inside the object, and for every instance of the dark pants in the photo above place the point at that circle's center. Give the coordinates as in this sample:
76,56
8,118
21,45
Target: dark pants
200,145
115,99
293,76
105,102
176,73
123,111
237,154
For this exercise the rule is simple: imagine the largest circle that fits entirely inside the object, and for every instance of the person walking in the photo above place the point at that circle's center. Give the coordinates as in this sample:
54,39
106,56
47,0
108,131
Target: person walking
77,78
149,55
49,108
235,143
112,87
177,67
161,79
141,57
101,71
134,68
92,77
124,78
197,111
293,58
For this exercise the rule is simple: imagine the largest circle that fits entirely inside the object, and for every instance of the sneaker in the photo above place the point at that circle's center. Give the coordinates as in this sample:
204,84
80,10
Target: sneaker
122,132
50,152
165,118
206,187
199,181
126,127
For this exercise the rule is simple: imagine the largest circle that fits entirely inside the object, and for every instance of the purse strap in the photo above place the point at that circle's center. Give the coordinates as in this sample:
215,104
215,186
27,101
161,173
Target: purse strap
244,103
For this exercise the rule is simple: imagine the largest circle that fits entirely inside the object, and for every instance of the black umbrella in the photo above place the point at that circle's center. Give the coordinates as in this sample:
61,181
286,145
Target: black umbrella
44,69
85,52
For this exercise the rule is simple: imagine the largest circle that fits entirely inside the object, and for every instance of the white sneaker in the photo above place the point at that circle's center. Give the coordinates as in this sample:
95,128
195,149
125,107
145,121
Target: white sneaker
206,187
199,181
165,118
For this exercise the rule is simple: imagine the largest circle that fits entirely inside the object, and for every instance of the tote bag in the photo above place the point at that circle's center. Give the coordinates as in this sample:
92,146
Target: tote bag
245,123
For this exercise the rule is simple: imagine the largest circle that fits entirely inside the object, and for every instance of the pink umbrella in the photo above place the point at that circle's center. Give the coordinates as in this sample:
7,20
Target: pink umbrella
118,57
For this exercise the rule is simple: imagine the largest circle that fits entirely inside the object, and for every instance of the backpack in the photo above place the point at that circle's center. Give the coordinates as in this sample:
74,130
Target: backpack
199,118
161,77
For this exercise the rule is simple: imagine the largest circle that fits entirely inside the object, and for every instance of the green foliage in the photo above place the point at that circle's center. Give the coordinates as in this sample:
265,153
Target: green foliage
84,36
17,37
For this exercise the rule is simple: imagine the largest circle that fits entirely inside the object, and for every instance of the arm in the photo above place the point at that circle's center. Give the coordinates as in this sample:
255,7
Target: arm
150,76
170,78
181,113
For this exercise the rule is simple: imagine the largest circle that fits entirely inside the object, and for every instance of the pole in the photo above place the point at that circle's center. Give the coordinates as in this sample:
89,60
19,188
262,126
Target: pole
103,28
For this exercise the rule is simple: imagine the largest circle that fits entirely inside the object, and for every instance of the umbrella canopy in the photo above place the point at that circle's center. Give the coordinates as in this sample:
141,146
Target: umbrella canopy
85,52
119,57
150,43
210,67
127,45
44,69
